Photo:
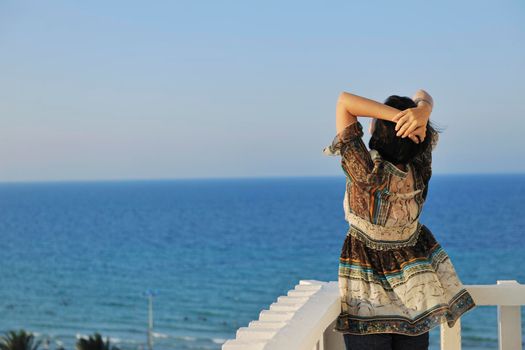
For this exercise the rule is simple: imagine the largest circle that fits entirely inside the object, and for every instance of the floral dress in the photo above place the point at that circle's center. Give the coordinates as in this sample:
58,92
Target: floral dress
393,275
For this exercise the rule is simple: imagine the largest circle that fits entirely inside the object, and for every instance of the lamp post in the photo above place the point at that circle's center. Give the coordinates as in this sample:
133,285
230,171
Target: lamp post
150,294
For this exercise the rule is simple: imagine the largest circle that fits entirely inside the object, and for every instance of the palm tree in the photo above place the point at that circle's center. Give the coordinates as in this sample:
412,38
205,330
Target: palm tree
20,340
94,342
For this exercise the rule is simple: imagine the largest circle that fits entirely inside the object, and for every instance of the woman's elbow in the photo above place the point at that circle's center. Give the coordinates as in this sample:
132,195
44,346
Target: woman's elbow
342,96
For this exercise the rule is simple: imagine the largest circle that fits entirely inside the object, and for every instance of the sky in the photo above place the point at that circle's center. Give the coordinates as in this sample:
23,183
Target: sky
100,90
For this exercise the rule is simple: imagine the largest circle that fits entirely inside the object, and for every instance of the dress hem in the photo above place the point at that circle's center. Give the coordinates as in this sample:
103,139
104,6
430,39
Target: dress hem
461,303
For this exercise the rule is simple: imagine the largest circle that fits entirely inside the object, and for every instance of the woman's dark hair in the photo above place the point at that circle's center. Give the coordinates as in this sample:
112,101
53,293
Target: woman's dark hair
395,149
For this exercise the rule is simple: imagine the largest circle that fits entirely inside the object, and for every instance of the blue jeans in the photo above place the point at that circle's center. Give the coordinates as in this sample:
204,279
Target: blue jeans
386,341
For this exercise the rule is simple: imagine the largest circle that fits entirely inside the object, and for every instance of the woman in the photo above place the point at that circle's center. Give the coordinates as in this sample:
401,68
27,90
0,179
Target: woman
395,280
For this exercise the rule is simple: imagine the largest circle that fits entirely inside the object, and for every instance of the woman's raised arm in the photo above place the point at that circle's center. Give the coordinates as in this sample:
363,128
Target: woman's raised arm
350,106
422,95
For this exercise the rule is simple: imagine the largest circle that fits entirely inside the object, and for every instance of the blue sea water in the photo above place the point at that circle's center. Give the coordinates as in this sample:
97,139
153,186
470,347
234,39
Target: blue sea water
76,257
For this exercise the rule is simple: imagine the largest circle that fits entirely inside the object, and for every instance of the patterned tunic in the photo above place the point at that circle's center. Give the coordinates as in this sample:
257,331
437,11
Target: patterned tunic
394,277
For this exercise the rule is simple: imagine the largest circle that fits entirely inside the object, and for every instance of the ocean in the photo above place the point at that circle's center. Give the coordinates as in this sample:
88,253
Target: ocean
77,257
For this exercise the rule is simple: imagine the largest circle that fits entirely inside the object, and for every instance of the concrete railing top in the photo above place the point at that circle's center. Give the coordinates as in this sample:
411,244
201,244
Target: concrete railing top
303,319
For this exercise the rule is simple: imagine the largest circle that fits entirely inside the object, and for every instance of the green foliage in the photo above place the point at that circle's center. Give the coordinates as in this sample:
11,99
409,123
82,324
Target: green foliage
23,340
94,342
20,340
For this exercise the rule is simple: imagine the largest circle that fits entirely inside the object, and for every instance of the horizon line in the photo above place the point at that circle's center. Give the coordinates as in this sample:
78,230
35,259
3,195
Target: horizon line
227,178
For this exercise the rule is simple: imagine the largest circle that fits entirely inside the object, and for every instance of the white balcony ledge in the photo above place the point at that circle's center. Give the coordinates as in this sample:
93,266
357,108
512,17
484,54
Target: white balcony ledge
303,319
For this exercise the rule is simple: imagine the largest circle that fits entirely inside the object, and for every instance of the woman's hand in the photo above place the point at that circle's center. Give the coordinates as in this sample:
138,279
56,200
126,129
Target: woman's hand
413,121
419,134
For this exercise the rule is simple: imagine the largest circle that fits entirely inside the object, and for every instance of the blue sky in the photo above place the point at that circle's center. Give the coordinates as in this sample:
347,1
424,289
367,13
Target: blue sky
194,89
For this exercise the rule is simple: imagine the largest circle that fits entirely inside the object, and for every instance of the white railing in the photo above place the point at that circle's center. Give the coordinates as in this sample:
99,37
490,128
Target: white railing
303,319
